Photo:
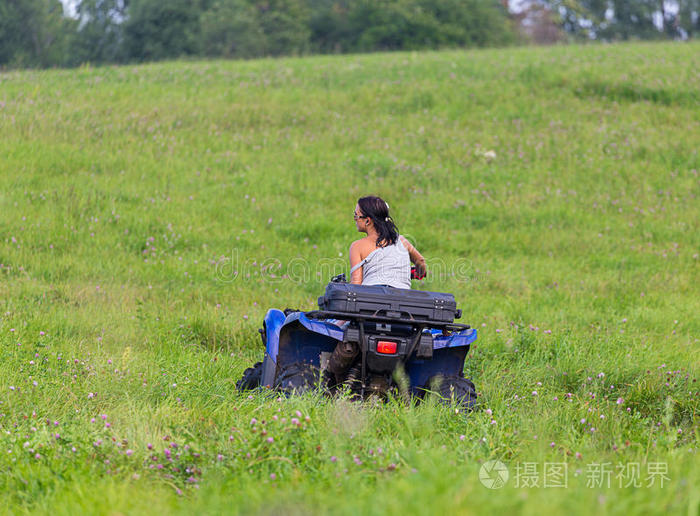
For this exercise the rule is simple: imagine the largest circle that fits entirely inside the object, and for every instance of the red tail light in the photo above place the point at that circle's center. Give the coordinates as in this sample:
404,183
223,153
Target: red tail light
386,347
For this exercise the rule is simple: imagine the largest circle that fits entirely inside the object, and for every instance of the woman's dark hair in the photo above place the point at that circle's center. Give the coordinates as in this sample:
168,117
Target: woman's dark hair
378,210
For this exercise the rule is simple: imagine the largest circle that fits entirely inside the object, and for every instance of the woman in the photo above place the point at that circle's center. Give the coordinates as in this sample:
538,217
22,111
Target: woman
383,257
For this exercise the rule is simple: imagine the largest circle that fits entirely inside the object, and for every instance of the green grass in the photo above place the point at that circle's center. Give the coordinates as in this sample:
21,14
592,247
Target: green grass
131,195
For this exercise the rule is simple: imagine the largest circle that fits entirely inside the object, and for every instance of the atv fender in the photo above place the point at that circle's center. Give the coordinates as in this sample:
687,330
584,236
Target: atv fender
296,338
449,353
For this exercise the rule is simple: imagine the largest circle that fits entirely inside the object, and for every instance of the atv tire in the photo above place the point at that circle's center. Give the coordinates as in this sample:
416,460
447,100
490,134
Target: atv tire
298,378
453,389
252,378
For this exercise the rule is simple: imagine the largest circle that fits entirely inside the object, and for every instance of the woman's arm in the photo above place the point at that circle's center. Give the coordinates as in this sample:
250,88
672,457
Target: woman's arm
416,258
355,258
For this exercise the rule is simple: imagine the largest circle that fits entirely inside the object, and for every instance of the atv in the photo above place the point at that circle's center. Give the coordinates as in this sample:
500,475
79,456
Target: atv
370,340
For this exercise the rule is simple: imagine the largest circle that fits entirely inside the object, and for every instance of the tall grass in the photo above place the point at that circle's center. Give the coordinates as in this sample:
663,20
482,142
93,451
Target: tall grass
150,215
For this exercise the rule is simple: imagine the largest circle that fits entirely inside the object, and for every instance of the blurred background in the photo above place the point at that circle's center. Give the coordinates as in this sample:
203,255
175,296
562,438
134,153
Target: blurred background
51,33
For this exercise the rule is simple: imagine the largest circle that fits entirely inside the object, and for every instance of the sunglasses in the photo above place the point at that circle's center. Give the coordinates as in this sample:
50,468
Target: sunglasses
356,216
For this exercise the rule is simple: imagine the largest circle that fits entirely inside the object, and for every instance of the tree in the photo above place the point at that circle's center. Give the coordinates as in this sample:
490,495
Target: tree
539,25
626,19
157,29
471,22
630,19
99,36
230,28
415,24
286,26
330,26
687,21
32,32
391,25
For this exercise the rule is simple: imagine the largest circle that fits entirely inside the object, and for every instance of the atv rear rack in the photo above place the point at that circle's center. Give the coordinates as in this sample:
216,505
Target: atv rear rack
364,317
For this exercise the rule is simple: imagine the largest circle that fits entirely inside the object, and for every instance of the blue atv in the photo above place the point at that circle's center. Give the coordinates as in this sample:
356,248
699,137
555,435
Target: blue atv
370,340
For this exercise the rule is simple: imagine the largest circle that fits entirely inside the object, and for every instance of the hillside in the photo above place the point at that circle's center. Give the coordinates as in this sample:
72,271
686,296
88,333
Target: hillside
150,215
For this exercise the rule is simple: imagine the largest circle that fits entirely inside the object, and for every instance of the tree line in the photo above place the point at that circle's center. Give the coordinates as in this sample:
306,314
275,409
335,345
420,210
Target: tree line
612,20
40,33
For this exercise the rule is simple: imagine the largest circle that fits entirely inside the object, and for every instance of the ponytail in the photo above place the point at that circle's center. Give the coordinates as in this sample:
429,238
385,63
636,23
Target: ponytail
377,209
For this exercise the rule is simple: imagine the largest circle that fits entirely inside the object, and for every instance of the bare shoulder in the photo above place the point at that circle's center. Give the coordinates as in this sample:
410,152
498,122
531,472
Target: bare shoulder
364,246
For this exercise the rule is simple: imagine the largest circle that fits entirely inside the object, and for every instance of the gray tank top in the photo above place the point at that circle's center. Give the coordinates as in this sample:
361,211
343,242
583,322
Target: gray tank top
388,265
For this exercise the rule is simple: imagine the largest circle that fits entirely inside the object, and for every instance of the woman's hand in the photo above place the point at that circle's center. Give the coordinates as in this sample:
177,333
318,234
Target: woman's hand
421,270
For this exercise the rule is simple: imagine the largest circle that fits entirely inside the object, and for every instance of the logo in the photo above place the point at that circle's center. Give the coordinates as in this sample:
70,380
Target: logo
493,474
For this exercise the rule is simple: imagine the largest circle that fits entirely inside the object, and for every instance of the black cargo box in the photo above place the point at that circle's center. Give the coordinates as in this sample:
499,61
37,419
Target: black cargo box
389,301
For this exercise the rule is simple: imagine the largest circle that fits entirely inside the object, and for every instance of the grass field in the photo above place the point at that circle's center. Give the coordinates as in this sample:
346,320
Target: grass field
150,215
